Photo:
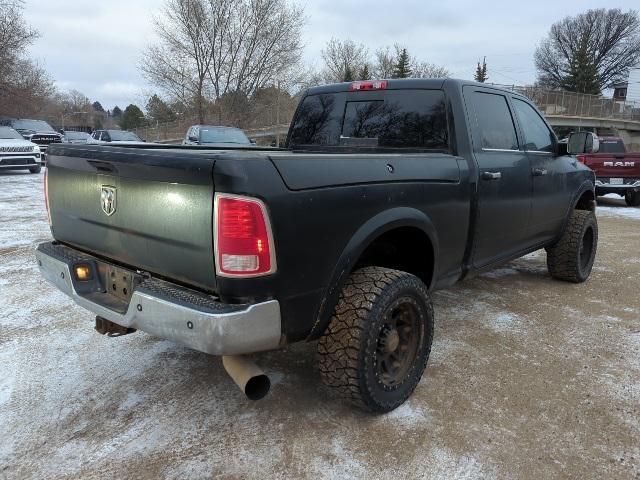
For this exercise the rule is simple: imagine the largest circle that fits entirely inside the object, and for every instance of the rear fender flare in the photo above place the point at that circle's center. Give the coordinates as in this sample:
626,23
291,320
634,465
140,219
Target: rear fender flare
363,237
586,186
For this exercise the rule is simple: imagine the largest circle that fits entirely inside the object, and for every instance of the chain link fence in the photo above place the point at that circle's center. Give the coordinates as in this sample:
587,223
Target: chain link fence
550,102
571,104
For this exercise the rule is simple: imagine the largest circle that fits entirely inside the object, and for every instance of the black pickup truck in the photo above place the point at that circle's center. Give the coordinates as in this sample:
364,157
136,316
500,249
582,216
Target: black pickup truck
387,191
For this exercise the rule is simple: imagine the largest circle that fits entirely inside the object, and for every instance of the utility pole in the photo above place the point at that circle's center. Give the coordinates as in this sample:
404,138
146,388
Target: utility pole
278,116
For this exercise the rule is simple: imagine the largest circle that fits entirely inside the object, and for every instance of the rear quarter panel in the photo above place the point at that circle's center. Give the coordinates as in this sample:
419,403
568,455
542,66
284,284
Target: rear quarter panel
312,226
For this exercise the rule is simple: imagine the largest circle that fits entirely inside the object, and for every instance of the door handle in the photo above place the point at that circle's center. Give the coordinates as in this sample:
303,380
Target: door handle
491,175
538,172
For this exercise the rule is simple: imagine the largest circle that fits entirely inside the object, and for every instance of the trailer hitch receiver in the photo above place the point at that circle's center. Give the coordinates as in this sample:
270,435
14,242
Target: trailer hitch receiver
107,327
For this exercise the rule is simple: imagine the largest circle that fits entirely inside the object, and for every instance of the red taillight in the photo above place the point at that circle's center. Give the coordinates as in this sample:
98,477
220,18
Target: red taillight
582,158
243,239
368,85
46,194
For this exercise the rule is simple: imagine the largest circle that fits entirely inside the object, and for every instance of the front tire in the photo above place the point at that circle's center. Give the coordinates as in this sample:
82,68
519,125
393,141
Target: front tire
571,259
632,198
377,344
35,169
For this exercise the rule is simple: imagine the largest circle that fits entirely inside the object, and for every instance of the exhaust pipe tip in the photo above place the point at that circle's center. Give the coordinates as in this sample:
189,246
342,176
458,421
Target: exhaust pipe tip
247,375
257,387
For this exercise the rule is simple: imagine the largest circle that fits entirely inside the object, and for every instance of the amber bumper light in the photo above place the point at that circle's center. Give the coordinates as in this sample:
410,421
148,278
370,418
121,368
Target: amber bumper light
83,272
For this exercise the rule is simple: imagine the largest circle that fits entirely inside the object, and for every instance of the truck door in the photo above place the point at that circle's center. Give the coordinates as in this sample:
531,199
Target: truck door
550,198
504,184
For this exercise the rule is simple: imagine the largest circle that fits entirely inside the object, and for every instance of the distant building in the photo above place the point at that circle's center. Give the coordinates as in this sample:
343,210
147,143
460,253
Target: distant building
633,86
620,91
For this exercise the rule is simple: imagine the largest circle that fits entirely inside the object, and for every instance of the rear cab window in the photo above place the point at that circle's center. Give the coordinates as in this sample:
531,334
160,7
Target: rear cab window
393,119
611,145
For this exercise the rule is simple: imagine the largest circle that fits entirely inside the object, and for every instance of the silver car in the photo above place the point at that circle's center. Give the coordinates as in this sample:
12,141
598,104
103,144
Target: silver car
114,136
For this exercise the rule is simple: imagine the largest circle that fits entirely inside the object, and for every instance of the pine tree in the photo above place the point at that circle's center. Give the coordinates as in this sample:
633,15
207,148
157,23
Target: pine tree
481,71
132,117
364,73
402,68
583,76
159,111
349,75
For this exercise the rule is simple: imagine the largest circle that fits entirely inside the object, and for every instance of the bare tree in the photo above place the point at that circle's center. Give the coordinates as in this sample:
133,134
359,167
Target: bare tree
385,62
24,85
590,51
343,60
15,34
208,49
180,62
74,108
429,70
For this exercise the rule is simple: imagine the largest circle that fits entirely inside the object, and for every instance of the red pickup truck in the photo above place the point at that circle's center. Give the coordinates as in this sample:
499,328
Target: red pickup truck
617,171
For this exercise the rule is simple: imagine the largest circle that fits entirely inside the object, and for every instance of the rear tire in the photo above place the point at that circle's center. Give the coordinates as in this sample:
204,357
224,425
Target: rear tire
571,259
632,198
35,169
377,344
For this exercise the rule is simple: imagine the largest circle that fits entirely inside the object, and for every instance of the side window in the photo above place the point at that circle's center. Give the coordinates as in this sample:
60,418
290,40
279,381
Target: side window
494,120
537,135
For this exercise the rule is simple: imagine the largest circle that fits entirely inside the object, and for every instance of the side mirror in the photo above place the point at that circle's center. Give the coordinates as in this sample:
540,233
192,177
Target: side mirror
582,142
252,141
193,138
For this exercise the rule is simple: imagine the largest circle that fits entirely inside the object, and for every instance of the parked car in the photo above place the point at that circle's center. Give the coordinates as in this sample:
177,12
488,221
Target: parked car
16,153
114,136
36,131
75,137
387,191
617,170
216,136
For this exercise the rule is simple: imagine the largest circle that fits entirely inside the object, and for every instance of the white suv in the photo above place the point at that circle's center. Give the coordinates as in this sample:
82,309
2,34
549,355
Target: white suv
16,153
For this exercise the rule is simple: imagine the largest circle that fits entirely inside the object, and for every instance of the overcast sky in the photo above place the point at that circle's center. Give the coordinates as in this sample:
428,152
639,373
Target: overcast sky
94,47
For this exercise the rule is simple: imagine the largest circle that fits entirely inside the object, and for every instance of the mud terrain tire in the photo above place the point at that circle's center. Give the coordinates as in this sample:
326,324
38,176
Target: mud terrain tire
632,198
378,341
571,259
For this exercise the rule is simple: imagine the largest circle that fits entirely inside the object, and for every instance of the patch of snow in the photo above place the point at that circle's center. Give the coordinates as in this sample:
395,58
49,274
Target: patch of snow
619,212
503,322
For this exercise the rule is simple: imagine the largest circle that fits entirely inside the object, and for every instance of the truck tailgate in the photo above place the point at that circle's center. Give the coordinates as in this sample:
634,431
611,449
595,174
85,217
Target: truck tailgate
613,164
147,209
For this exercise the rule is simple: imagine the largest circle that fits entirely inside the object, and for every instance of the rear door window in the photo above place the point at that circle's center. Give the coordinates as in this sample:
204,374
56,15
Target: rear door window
494,121
394,119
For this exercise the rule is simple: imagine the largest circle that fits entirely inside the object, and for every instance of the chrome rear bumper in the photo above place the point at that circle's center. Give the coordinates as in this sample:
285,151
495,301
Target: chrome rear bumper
164,309
623,186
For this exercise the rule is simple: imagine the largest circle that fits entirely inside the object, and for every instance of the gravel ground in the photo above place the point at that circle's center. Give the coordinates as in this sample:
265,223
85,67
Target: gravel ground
529,378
